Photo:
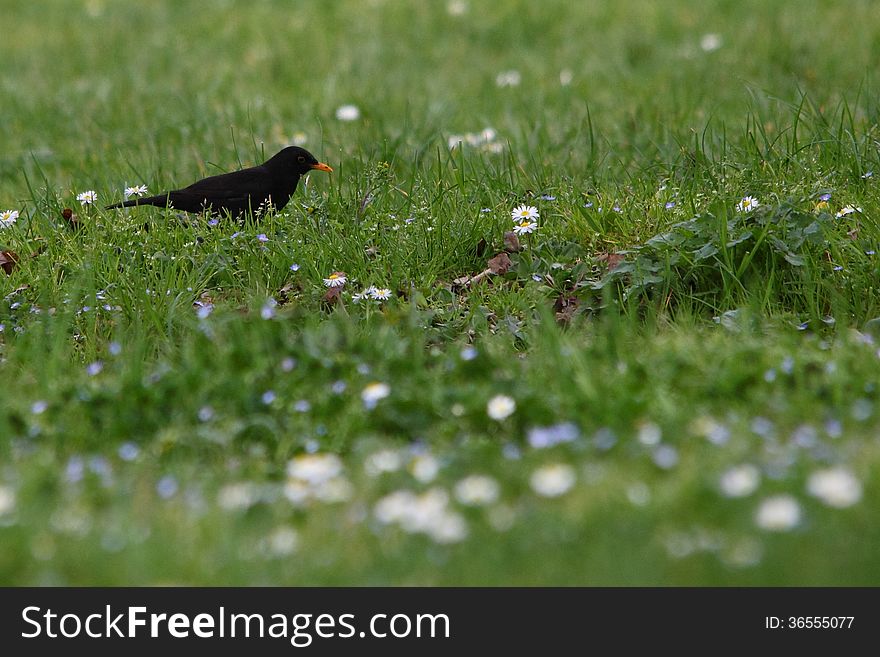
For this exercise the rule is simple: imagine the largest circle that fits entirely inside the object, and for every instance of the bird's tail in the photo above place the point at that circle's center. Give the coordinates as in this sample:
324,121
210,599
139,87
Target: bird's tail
159,201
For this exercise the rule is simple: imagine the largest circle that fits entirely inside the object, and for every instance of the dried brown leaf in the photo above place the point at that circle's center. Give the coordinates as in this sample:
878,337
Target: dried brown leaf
610,260
8,261
332,296
71,219
511,242
565,307
500,264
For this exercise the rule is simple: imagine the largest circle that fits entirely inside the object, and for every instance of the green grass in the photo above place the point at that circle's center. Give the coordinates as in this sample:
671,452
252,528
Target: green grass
180,406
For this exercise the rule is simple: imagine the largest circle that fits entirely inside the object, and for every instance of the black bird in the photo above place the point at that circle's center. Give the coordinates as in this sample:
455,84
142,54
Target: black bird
254,189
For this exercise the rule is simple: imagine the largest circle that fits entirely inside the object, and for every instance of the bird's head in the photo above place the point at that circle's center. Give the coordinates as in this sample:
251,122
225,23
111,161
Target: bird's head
298,159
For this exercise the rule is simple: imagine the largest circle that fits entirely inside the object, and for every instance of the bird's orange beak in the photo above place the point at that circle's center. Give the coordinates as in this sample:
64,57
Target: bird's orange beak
320,166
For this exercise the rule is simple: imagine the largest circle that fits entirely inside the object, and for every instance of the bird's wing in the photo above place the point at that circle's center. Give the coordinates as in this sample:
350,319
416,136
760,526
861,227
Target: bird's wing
234,185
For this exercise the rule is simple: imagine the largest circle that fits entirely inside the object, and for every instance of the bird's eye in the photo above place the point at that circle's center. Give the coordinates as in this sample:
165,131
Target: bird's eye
301,158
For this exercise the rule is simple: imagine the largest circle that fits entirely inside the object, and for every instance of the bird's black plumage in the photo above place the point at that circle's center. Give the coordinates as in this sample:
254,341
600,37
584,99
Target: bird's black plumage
248,190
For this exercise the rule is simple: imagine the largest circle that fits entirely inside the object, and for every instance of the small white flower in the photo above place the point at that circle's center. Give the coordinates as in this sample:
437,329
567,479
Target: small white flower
336,279
380,294
836,487
565,77
137,190
427,513
740,481
282,542
778,513
649,434
238,496
7,218
553,480
711,42
7,500
425,468
314,469
477,490
747,204
374,392
454,140
88,197
348,113
299,139
524,227
508,79
525,212
500,407
456,7
849,209
385,460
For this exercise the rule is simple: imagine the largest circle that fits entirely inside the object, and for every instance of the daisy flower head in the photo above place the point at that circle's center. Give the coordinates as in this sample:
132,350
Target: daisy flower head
348,113
381,294
747,204
510,78
849,209
87,197
500,407
137,190
529,212
336,279
374,392
524,226
8,217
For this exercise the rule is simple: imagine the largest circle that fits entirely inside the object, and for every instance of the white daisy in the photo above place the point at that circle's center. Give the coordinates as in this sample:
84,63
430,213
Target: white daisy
477,490
711,42
837,487
740,480
553,480
778,513
500,407
374,392
525,212
849,209
747,204
8,217
336,279
381,294
314,468
137,190
510,78
348,113
525,226
88,197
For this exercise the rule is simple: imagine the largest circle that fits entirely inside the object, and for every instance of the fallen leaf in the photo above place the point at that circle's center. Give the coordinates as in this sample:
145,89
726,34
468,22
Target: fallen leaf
71,219
511,242
8,261
283,295
565,307
332,296
500,264
610,260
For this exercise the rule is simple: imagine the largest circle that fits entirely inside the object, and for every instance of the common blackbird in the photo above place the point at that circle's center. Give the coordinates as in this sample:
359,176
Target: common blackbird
254,189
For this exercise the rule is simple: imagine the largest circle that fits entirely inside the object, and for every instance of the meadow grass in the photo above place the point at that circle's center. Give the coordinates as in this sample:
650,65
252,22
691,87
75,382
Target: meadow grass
661,388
